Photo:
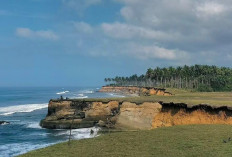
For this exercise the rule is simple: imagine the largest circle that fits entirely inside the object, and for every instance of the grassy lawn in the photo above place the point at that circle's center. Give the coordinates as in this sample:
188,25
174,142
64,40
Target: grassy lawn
192,140
182,96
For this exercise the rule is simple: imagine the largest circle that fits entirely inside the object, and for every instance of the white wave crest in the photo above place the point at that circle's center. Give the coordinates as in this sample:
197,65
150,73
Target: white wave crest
34,125
21,108
81,94
87,91
79,133
82,97
63,92
115,95
5,123
85,133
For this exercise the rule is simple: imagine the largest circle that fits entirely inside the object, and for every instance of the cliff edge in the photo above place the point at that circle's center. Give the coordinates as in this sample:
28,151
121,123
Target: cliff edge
141,91
119,114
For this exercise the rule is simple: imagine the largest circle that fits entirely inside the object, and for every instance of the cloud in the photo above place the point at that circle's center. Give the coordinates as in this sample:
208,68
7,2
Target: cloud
194,31
190,26
146,52
210,8
127,31
41,34
83,27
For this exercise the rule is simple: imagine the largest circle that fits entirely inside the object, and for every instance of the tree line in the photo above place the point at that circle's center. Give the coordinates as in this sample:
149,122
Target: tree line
196,77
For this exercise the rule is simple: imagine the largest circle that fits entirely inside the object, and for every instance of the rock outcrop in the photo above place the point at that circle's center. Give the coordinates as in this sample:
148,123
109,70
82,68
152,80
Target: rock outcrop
65,114
4,122
137,116
141,91
77,113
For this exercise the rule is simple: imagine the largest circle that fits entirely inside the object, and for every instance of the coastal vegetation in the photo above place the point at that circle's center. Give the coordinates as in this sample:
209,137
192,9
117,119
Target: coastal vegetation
198,77
189,140
180,96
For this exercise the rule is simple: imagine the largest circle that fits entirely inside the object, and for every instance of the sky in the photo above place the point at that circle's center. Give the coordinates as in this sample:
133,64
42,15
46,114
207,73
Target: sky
80,42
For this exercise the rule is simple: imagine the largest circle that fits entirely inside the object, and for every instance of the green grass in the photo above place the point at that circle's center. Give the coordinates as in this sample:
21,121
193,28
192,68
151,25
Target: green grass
177,141
181,96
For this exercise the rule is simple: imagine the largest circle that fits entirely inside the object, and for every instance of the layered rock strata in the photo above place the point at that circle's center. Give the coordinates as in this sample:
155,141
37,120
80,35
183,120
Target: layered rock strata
130,115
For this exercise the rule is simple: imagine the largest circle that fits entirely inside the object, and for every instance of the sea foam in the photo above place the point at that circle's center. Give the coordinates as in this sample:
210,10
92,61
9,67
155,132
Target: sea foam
81,97
63,92
15,149
82,133
87,91
34,125
21,108
115,95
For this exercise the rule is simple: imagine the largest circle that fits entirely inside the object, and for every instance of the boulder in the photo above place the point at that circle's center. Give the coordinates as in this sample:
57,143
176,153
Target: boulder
4,122
101,123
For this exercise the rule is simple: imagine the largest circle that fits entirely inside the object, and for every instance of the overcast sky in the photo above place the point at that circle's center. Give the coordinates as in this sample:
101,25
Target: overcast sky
80,42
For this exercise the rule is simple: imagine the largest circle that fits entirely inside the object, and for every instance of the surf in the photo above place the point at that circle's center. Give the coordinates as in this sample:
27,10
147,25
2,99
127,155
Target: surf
4,111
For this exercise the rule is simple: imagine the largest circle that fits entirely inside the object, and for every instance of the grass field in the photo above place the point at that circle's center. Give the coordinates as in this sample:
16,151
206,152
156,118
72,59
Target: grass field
182,96
177,141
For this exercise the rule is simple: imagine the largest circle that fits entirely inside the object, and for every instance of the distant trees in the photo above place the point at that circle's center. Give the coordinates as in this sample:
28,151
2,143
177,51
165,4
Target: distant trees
199,77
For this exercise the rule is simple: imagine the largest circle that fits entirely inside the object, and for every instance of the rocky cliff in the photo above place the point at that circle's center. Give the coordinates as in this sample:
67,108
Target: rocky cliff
130,115
183,114
145,91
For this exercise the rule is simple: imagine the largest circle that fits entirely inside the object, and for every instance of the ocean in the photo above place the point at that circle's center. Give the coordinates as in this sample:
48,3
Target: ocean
25,107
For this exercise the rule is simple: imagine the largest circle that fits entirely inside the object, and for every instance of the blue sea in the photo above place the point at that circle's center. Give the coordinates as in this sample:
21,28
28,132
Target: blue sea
25,107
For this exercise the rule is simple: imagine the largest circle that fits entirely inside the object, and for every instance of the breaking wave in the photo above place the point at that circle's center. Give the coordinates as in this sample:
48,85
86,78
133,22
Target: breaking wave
115,95
79,133
87,91
81,96
15,149
34,125
63,92
21,108
4,123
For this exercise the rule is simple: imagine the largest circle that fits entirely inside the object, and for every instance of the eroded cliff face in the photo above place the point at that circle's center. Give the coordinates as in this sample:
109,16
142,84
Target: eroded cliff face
99,109
135,90
129,115
171,115
137,116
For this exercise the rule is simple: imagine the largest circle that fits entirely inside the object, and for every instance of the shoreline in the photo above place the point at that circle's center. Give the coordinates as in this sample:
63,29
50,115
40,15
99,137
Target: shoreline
25,118
144,111
150,99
